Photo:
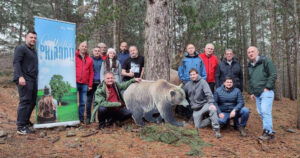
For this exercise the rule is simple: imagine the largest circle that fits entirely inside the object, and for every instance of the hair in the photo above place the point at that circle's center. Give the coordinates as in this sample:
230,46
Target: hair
228,50
114,60
108,72
193,70
209,44
31,31
228,78
133,46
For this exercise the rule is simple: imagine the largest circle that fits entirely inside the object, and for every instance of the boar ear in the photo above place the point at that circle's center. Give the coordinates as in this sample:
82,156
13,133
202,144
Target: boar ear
173,93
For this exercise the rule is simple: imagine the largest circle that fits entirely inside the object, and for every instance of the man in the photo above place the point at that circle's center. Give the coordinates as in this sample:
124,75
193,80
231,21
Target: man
97,62
133,66
202,102
229,67
123,55
103,50
191,60
25,65
230,104
109,101
84,77
211,63
262,76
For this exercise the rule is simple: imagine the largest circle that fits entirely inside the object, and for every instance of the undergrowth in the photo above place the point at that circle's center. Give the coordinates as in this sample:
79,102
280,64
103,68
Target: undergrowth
175,136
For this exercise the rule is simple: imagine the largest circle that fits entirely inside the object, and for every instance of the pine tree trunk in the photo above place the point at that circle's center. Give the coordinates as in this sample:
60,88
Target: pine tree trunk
253,10
156,49
274,50
298,60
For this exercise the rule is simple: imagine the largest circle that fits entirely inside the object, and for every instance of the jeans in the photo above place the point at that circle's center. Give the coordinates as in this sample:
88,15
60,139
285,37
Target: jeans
90,99
27,96
112,114
82,90
264,104
240,119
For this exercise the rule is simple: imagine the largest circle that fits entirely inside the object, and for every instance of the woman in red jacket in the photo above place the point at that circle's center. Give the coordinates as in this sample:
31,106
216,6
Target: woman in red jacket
84,77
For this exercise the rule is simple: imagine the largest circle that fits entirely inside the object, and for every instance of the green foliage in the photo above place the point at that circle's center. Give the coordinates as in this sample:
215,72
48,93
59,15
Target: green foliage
59,87
175,136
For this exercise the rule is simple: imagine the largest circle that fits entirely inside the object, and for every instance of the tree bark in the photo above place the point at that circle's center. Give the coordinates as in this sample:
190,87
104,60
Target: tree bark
253,10
156,47
274,50
115,33
298,60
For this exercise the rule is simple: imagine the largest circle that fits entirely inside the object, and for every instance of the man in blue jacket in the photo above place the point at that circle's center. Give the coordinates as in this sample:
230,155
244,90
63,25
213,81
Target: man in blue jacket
191,60
97,62
230,104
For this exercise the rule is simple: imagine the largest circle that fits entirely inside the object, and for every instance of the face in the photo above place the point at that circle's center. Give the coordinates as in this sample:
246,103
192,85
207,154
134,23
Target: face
111,54
83,48
96,52
209,49
103,48
193,76
229,55
123,46
252,53
30,39
228,84
190,49
133,52
109,79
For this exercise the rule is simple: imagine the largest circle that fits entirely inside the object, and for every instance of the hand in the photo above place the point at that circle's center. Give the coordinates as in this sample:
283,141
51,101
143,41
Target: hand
232,114
266,89
252,96
90,88
138,79
130,74
221,115
212,107
22,81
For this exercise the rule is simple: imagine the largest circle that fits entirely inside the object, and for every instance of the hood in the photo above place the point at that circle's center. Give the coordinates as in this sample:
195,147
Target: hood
260,61
186,54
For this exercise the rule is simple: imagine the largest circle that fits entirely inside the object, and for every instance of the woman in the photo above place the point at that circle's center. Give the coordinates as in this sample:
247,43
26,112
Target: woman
111,64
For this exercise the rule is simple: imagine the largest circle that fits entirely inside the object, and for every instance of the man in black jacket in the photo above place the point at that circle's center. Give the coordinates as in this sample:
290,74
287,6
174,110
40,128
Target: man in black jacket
229,67
25,65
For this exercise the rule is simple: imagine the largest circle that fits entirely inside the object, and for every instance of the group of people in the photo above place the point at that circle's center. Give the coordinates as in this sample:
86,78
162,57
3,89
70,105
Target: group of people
201,73
91,71
101,77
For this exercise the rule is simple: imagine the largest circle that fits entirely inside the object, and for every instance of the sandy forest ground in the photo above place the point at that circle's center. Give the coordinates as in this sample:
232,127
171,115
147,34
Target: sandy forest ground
118,142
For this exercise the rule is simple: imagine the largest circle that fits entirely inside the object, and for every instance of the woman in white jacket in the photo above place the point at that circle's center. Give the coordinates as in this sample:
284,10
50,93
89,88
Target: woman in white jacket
111,64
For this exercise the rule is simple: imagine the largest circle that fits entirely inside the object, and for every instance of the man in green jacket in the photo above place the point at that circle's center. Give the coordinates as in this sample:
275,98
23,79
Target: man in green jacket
109,102
262,76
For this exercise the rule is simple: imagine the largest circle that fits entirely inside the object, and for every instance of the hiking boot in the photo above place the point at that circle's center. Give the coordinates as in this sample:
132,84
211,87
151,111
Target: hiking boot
242,131
217,133
24,130
266,136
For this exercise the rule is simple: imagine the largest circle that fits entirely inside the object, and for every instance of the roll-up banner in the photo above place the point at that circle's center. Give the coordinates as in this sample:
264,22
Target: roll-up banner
57,95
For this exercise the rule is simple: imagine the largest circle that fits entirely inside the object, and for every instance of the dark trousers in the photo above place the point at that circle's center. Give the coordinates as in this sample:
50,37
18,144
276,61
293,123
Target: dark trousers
90,99
112,114
212,86
27,97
